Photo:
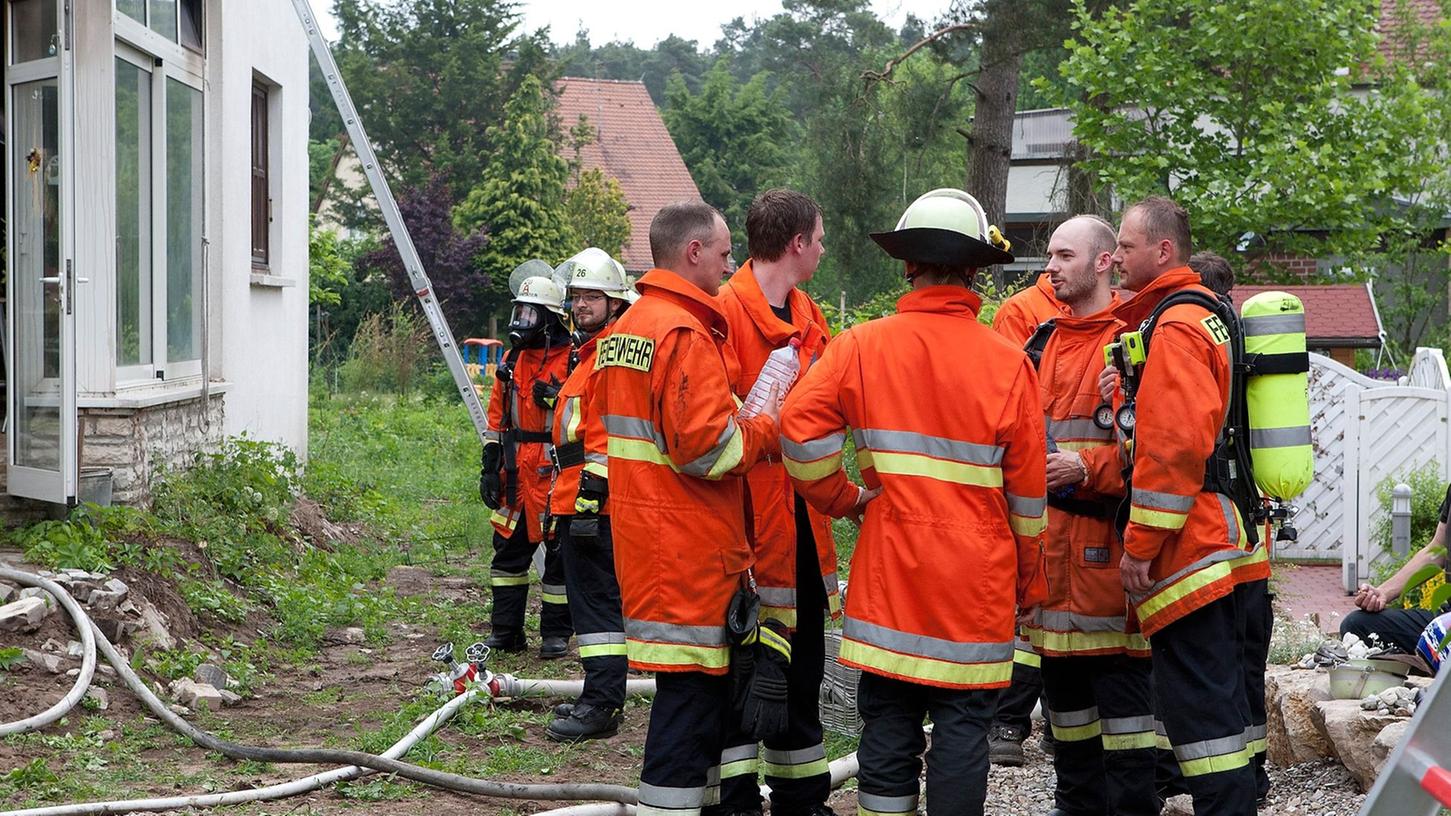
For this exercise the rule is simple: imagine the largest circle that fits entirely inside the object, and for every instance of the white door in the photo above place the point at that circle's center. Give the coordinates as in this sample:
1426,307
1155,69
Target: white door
40,273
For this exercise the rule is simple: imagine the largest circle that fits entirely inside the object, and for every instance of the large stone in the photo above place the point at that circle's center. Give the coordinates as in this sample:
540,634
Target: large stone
1352,732
195,695
6,593
43,660
101,698
155,624
37,592
1386,742
23,615
1290,696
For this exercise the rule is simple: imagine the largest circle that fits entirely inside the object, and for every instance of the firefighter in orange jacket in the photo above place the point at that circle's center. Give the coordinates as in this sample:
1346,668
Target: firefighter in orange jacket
1185,544
676,451
948,426
1095,665
1027,309
795,552
514,479
599,292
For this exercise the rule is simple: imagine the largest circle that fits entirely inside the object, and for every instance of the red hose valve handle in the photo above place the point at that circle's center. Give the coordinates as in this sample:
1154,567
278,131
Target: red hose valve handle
1437,782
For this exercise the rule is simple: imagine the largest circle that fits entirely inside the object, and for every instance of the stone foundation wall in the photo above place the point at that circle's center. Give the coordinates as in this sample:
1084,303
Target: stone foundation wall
136,442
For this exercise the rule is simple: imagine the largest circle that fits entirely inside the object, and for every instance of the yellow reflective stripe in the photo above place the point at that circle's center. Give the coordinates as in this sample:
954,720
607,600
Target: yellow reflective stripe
1163,519
924,668
741,767
1085,641
1134,741
507,520
816,767
1078,733
1256,746
602,650
1156,603
811,471
1216,764
678,654
1027,658
786,615
638,450
598,469
508,580
550,597
1025,526
571,419
833,602
911,464
1162,742
735,450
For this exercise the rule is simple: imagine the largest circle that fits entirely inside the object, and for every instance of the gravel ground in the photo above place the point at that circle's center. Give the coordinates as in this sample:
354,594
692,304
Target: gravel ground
1322,788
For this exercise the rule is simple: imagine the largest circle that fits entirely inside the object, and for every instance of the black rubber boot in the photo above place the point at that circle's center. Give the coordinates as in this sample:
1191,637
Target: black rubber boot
585,722
553,648
504,640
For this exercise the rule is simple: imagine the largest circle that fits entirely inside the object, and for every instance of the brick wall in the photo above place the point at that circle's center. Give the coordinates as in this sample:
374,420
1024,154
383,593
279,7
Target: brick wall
1284,263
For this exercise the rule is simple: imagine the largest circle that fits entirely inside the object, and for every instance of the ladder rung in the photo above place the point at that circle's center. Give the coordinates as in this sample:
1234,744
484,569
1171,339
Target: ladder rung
1437,782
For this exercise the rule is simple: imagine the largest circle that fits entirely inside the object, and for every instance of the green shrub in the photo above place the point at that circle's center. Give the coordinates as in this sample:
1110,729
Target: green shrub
390,352
1428,490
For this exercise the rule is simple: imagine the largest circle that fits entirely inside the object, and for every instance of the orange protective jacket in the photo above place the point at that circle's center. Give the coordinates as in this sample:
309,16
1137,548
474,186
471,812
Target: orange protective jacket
1085,611
675,449
1194,538
574,423
535,468
946,419
1020,314
755,331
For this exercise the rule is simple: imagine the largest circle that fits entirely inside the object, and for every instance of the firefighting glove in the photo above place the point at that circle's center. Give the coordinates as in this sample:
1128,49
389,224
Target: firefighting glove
742,617
545,393
593,490
765,707
490,483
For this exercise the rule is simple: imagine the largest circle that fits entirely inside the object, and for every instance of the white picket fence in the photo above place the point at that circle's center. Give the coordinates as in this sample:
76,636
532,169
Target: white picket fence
1363,432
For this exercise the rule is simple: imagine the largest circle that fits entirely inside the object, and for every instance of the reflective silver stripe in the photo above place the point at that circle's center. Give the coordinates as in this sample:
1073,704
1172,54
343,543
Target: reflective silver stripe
1030,507
938,447
552,589
1274,324
924,646
1073,719
1078,429
566,417
887,804
800,756
674,798
633,427
702,465
1062,621
1212,558
514,407
831,583
1279,437
1159,727
600,638
656,632
1205,749
1231,522
1256,732
1128,725
596,458
493,436
493,573
1154,500
814,448
777,596
736,753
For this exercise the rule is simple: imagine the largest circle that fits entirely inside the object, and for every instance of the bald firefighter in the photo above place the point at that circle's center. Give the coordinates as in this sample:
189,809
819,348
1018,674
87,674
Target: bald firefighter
948,426
1187,546
676,453
514,479
598,293
795,553
1095,664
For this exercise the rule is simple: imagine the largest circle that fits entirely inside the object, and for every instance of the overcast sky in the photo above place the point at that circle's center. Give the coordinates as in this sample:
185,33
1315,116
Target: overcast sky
646,22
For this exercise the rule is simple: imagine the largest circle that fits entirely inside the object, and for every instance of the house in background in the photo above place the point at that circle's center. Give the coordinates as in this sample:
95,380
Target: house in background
156,243
1339,318
630,145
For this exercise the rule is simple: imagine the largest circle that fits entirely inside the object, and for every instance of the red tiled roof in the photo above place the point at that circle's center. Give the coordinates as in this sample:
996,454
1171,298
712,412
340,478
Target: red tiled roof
1392,45
632,145
1335,315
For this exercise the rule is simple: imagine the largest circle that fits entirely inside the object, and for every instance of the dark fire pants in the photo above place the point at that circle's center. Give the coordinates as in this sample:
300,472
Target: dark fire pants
690,720
594,607
509,579
1103,727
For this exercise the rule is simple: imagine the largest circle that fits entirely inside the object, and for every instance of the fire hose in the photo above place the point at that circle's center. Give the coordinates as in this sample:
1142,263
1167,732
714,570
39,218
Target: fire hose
607,799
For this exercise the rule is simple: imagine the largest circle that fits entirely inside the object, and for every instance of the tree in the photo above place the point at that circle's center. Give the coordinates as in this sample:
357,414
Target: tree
520,199
447,254
1244,111
429,77
597,213
732,136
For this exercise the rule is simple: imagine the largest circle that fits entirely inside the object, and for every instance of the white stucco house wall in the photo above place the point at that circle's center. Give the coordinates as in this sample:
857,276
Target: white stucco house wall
156,237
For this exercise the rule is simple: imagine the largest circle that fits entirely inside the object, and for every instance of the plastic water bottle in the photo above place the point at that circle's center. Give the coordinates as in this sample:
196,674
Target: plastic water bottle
781,369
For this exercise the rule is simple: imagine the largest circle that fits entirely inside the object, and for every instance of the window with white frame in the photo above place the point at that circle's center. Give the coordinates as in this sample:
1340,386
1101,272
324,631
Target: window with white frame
159,189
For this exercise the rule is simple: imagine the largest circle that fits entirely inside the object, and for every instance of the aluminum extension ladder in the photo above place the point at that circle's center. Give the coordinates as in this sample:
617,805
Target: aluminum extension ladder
422,288
1416,780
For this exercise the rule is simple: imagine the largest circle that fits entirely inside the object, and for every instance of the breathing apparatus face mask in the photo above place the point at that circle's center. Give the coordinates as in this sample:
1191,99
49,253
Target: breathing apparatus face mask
526,324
